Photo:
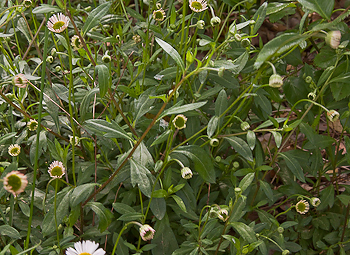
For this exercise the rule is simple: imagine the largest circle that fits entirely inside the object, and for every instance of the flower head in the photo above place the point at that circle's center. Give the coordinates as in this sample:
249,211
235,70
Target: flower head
58,23
85,248
186,173
14,150
27,3
315,201
275,81
214,142
245,126
15,182
32,125
180,121
333,115
74,142
159,14
20,81
198,5
146,232
76,43
106,58
302,207
56,169
136,39
333,39
215,21
223,214
200,24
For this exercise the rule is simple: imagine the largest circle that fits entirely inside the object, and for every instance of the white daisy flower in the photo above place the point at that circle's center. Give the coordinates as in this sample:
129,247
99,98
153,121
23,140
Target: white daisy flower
20,81
32,125
76,43
14,150
302,207
58,23
15,182
186,173
159,14
146,232
56,169
85,248
198,5
180,121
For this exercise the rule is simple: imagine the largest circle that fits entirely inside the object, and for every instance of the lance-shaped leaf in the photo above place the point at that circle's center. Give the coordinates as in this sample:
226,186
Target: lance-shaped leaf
293,165
103,79
172,52
181,109
103,214
241,147
322,7
138,174
95,16
107,129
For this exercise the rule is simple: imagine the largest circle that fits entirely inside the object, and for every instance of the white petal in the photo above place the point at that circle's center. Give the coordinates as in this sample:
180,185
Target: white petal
78,246
99,252
71,251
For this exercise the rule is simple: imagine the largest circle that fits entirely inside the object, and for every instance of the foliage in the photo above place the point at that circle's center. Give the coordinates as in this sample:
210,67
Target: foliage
194,126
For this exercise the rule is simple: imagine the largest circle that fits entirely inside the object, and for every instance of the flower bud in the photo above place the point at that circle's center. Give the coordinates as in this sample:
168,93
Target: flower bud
308,79
214,142
333,115
49,59
189,57
315,201
186,173
106,58
245,43
245,250
235,164
333,39
245,126
221,71
27,3
215,21
200,24
218,159
275,81
285,252
87,9
136,39
180,121
280,230
238,191
238,37
58,68
53,52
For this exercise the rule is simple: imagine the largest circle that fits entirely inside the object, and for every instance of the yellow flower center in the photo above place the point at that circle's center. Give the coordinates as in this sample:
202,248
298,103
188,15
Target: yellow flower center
14,151
57,171
15,182
158,15
301,207
58,24
179,122
197,5
85,253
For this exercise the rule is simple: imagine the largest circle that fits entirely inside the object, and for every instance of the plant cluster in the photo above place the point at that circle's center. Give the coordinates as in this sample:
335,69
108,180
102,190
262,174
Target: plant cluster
174,127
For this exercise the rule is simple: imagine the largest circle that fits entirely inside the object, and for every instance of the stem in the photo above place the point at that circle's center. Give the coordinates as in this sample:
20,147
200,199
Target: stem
55,209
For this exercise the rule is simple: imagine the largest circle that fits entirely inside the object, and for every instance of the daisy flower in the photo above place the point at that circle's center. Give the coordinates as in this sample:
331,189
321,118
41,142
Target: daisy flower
315,201
223,214
32,125
85,248
56,169
58,23
146,232
275,81
180,121
14,150
333,39
333,115
20,81
159,14
15,182
198,5
302,207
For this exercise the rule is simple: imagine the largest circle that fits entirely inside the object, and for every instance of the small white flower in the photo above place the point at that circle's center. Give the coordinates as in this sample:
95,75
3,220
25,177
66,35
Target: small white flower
215,21
15,182
198,5
302,207
186,173
14,150
20,81
159,14
223,214
56,169
180,121
85,248
76,140
333,39
58,23
275,81
146,232
32,125
200,24
136,39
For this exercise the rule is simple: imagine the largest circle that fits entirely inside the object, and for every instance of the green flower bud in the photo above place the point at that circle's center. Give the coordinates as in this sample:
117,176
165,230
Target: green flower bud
308,79
221,71
214,142
106,58
245,43
280,230
218,159
215,21
275,81
333,115
245,250
285,252
200,24
245,126
58,68
87,9
189,57
333,39
49,59
235,165
27,3
238,37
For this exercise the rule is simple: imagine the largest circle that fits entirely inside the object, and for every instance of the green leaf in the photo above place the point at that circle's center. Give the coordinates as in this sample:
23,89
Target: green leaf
163,137
164,238
123,208
81,193
6,137
104,215
22,26
111,130
138,174
221,103
322,7
238,210
277,46
143,104
259,17
172,52
181,109
246,181
251,138
278,138
158,207
85,103
327,198
267,189
179,202
7,230
293,165
241,147
45,8
201,159
103,79
244,231
131,216
212,125
95,16
277,6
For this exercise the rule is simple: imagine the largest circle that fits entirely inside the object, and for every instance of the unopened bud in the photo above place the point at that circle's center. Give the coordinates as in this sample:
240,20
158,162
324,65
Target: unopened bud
221,71
214,142
275,81
245,43
215,21
200,24
245,126
333,39
49,59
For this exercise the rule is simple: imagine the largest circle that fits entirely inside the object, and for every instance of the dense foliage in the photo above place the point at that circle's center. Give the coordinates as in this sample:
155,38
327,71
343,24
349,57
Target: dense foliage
174,127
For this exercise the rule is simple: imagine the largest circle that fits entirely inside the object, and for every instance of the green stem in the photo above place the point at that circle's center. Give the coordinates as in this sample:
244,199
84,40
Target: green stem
36,158
55,210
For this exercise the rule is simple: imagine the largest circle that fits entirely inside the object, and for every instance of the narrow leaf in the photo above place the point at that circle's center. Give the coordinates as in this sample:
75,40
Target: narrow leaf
241,147
172,52
103,79
95,16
